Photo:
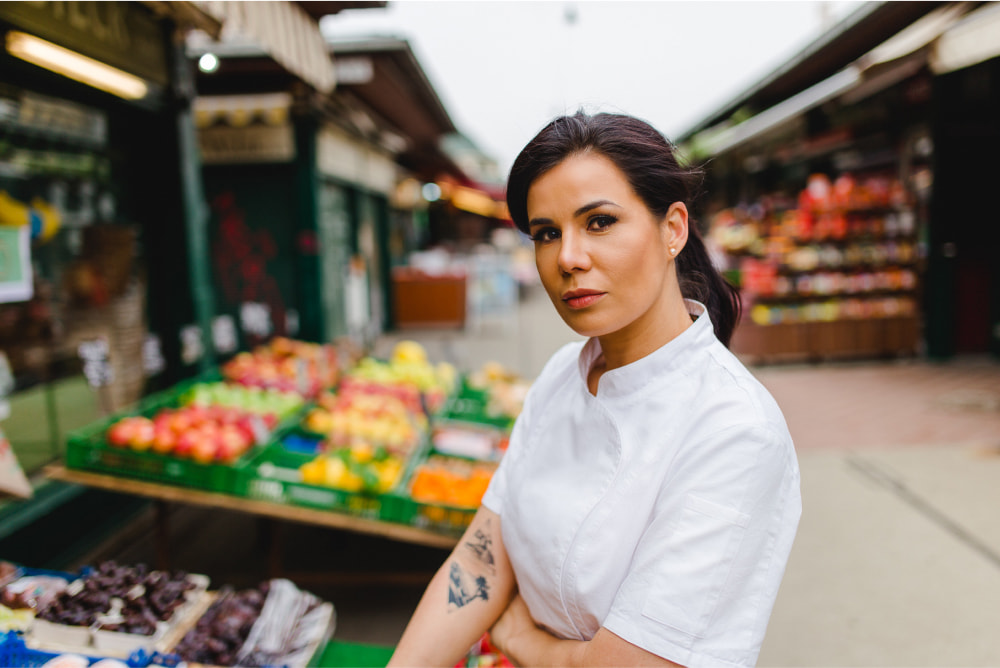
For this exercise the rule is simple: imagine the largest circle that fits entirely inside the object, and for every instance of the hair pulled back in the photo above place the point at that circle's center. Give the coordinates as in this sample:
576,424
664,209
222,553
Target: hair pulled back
648,162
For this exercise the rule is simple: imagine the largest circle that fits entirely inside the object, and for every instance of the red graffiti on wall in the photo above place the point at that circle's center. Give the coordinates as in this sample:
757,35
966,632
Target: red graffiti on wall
240,255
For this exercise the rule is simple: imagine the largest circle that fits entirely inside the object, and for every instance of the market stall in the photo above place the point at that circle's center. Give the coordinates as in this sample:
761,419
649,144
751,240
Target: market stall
401,448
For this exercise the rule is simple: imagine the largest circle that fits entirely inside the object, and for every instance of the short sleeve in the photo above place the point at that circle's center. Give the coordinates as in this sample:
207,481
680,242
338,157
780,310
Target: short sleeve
706,571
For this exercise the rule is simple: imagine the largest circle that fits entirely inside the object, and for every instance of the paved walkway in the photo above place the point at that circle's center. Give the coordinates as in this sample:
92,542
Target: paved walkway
897,560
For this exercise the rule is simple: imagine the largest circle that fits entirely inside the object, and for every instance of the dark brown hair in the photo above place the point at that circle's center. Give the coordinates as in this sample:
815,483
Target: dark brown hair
648,161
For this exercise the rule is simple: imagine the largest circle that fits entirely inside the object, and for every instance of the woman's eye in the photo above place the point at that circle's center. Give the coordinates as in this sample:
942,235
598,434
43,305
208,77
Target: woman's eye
545,234
602,222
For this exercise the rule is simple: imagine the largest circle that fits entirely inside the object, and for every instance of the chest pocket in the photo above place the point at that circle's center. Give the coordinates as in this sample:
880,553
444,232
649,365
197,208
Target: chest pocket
703,547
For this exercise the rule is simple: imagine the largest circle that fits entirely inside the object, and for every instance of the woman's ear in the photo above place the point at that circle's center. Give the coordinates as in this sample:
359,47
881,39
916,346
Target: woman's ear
675,228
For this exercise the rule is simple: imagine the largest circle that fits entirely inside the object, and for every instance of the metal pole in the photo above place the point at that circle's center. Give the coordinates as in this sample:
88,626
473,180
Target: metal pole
195,209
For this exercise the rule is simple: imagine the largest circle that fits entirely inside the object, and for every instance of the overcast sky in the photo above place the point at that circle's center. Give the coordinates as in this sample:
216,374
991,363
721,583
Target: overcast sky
504,69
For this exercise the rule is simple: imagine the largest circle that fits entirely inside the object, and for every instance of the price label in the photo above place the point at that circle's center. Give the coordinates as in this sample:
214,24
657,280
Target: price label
224,334
152,356
192,346
255,318
6,376
96,362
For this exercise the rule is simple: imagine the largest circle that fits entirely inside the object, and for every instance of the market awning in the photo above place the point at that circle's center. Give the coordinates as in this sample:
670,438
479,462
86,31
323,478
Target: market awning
972,40
284,31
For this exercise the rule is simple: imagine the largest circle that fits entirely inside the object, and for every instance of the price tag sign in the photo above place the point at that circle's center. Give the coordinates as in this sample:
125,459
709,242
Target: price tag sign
224,334
95,355
255,318
192,346
6,376
302,376
152,356
292,322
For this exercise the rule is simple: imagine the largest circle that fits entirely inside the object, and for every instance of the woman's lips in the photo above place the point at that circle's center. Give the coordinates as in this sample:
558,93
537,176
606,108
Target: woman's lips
577,299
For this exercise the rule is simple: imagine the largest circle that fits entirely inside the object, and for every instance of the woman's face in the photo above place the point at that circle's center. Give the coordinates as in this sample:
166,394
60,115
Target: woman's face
602,256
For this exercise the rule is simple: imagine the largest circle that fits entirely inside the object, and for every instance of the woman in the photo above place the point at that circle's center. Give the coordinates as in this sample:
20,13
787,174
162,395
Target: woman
646,506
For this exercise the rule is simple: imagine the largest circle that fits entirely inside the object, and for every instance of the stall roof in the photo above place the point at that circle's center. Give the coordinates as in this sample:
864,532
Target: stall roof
854,36
390,80
384,75
320,8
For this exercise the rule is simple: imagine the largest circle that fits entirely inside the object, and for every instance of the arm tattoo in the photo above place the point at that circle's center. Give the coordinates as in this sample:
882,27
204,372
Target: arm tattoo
463,588
482,546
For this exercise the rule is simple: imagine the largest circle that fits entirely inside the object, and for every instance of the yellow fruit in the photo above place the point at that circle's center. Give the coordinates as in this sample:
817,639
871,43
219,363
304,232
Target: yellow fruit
334,471
313,473
409,351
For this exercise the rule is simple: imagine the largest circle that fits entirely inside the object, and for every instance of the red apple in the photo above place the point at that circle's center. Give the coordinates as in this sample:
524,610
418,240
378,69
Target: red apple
180,422
164,440
204,448
143,435
185,443
121,433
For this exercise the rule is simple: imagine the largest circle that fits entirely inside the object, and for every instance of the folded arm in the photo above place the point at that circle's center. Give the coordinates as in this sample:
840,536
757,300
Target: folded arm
464,598
525,644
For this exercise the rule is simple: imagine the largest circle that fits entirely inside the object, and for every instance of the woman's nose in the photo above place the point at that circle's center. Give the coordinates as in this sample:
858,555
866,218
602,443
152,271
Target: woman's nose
573,255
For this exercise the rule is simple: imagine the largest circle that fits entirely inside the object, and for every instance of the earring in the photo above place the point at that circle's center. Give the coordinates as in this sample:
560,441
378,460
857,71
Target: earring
673,251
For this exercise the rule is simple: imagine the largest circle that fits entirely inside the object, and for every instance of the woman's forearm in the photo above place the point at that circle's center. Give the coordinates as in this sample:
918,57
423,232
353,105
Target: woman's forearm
526,644
467,594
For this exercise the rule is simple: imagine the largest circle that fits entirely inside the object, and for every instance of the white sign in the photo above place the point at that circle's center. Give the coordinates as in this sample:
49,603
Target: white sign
96,363
224,334
292,322
152,356
192,346
255,318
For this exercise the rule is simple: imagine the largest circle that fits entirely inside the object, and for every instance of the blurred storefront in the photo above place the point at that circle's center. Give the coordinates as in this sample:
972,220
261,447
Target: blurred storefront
845,192
91,109
445,201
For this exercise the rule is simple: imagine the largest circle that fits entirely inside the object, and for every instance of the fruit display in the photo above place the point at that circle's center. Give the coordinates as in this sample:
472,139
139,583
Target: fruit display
260,401
408,371
119,599
287,365
354,416
220,633
505,389
451,481
359,468
204,434
274,624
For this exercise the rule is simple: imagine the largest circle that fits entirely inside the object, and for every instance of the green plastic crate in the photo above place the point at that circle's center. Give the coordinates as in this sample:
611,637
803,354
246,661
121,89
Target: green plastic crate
439,517
272,475
87,448
99,457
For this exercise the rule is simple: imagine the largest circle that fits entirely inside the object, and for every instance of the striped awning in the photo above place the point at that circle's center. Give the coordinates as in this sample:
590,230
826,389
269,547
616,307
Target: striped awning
284,31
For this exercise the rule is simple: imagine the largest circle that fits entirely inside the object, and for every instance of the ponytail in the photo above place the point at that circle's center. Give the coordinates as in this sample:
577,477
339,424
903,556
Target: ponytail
701,281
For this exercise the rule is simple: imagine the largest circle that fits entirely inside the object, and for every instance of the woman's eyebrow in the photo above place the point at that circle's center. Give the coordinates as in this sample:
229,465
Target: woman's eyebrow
576,214
593,205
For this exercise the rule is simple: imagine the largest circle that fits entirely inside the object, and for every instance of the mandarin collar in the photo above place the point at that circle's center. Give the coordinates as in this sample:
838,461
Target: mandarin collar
669,357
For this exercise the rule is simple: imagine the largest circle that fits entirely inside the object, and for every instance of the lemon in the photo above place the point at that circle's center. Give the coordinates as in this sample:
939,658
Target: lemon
409,351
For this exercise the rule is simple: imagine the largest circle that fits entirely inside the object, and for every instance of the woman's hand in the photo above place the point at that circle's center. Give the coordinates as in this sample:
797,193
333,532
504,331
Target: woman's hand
514,623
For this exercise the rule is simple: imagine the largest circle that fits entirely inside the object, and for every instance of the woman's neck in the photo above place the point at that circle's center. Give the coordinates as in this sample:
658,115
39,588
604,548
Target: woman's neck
642,337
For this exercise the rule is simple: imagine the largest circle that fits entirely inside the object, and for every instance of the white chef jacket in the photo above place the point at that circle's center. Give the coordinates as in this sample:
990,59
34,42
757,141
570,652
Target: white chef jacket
662,509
